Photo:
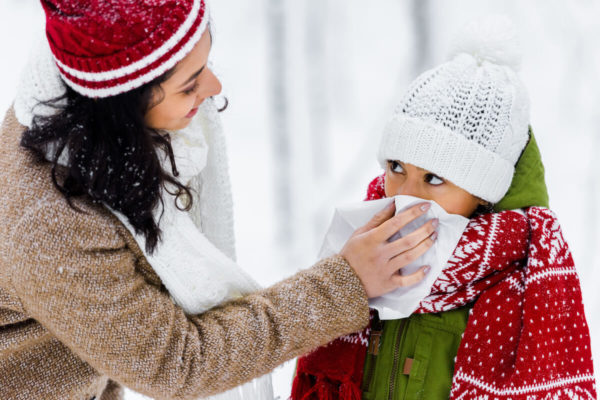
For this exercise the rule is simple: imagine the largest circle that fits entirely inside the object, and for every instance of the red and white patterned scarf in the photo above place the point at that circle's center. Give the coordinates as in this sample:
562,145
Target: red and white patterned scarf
526,337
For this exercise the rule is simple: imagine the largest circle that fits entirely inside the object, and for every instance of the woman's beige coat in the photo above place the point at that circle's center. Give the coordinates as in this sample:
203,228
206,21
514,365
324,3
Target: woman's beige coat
82,313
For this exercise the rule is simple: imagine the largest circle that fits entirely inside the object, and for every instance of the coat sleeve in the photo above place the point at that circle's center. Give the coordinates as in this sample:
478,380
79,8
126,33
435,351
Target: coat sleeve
76,276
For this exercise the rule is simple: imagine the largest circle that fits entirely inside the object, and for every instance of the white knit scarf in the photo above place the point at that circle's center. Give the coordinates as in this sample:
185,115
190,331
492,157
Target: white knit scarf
196,257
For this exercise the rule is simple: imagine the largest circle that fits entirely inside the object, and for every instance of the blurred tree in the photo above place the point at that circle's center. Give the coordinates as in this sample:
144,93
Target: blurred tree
318,99
280,133
422,35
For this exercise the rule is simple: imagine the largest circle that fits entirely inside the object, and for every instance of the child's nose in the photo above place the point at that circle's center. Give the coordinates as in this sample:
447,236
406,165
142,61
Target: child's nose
409,188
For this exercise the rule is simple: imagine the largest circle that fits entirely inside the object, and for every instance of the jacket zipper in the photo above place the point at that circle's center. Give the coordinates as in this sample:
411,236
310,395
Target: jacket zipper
399,342
373,351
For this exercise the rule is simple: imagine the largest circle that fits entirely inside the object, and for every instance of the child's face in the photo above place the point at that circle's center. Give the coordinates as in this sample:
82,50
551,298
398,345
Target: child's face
407,179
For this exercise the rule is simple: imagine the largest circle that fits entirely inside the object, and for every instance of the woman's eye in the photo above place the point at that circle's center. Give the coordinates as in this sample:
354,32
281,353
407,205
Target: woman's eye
192,89
396,167
433,179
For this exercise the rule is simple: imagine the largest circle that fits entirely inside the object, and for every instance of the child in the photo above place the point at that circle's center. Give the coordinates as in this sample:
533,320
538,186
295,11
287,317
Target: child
505,318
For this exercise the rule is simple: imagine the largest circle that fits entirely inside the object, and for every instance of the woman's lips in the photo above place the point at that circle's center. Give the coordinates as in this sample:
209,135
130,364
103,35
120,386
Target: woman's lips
192,113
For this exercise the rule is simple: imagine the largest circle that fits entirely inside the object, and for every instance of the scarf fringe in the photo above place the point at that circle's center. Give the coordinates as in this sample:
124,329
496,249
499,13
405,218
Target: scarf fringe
350,391
300,385
324,389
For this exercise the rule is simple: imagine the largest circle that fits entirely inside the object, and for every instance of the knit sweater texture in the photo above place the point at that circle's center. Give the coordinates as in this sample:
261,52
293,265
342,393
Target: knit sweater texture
82,313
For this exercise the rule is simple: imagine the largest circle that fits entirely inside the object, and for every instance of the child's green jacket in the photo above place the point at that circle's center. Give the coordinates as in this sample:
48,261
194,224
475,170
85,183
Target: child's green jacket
413,358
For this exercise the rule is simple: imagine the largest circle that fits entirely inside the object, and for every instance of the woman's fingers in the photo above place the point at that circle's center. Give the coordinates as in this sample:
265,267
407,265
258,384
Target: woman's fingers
376,261
393,225
409,256
411,240
378,219
408,280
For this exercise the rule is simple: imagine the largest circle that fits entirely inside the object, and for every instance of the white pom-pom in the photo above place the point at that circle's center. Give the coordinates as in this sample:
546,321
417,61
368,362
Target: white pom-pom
493,38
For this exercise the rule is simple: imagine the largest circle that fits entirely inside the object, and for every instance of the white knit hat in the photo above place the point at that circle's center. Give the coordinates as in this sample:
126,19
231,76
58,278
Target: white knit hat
467,119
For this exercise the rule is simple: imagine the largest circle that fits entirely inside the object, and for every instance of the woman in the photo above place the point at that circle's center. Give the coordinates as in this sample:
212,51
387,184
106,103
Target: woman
117,240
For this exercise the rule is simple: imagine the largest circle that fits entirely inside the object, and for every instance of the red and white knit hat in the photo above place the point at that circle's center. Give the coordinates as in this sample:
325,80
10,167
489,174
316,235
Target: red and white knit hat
106,47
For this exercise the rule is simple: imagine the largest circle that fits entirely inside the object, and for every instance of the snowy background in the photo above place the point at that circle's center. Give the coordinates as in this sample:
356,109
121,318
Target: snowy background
311,84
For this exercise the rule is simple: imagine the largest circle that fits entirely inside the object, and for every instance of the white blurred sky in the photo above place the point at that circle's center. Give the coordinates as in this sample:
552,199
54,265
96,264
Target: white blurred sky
349,69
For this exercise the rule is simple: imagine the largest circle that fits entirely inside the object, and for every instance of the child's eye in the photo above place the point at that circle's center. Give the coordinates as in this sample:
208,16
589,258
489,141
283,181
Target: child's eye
396,167
191,89
433,179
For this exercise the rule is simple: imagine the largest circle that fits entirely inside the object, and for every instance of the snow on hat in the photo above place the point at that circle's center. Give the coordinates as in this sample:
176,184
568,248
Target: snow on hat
106,47
466,120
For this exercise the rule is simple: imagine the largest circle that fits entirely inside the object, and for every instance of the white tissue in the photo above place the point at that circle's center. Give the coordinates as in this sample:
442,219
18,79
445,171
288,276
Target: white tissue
402,302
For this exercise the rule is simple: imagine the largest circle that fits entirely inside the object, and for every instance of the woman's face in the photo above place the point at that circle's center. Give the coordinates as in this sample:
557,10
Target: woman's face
407,179
188,86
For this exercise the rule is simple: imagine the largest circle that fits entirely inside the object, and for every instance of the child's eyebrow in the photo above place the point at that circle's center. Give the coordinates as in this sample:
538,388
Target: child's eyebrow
426,171
418,168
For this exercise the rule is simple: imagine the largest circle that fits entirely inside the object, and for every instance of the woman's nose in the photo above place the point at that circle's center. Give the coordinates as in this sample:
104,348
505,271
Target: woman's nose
211,86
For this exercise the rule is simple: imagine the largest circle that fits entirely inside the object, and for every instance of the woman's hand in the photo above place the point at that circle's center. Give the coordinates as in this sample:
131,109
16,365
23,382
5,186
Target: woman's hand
378,262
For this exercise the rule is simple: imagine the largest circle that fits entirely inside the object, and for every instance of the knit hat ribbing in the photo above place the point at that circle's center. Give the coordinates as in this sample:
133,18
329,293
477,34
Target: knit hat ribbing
467,119
106,47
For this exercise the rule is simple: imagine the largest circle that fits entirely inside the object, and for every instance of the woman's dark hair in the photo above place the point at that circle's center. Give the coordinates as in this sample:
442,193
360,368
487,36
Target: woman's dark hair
111,154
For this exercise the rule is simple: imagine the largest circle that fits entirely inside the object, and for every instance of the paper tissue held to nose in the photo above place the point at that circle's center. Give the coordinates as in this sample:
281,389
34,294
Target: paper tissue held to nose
403,301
